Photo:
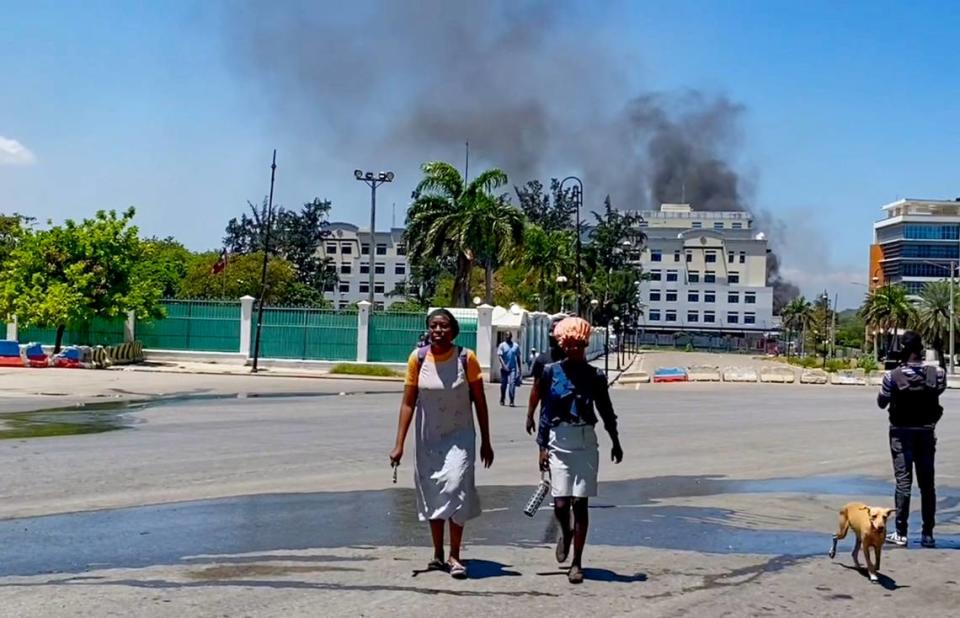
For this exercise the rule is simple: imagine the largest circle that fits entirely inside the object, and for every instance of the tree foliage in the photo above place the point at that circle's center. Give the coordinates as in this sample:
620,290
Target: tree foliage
68,274
932,316
552,211
240,278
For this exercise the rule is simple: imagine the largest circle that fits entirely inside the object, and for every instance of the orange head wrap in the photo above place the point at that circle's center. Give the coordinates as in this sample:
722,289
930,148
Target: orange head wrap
572,330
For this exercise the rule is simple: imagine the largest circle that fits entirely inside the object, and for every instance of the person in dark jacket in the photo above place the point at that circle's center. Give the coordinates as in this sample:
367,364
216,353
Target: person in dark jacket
553,354
912,392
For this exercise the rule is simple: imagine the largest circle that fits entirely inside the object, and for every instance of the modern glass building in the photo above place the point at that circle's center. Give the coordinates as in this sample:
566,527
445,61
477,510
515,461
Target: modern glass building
915,243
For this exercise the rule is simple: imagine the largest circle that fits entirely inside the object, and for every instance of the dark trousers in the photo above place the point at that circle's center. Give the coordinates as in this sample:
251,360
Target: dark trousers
508,383
914,447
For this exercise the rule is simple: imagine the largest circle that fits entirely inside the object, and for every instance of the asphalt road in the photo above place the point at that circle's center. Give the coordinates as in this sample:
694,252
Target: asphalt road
213,505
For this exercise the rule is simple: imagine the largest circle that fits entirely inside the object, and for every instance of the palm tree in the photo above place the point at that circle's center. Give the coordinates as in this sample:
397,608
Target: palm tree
886,310
796,315
932,317
449,218
545,256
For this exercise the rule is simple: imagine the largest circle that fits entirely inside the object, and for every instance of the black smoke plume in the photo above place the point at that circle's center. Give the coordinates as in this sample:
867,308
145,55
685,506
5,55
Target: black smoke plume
535,94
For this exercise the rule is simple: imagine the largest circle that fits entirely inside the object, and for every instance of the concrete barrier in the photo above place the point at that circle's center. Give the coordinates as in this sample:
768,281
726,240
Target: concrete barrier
777,375
876,378
953,382
640,377
670,374
814,376
740,374
849,377
703,373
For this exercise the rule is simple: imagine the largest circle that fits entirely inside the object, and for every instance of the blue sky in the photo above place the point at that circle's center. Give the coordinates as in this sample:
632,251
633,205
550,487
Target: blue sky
847,106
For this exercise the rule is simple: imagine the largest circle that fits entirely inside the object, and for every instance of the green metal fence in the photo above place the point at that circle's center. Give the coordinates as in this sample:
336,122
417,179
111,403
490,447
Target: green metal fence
392,336
468,334
195,325
308,334
99,331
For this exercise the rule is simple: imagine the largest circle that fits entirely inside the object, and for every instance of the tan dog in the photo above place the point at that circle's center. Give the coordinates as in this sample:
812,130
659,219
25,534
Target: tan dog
869,523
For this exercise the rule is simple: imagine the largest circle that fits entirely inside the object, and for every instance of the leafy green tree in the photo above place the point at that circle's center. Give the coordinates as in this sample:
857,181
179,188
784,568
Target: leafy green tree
886,310
616,239
552,211
240,278
452,219
68,274
545,256
932,316
796,316
11,227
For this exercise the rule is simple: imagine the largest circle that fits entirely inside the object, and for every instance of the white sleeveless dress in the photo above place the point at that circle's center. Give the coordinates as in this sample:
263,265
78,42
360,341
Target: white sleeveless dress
445,443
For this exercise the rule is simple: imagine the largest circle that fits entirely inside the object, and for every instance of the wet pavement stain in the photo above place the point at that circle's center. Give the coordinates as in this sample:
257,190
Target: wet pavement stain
100,417
628,514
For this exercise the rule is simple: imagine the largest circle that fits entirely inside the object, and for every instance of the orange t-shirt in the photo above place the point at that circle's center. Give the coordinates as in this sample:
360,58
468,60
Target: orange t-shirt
474,372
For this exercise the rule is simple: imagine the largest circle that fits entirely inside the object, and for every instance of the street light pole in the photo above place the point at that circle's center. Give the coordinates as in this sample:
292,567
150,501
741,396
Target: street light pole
373,181
266,263
578,200
953,315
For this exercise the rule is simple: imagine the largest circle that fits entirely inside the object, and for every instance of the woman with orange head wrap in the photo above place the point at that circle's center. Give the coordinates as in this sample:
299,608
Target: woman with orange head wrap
573,392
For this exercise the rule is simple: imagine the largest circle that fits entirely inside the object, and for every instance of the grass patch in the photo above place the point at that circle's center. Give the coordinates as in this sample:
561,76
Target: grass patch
354,369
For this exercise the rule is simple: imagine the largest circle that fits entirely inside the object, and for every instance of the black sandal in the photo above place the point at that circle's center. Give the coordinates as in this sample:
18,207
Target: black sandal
563,549
575,575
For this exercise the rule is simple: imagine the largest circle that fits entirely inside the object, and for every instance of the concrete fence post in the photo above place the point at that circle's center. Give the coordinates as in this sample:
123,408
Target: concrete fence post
12,334
363,330
130,327
485,339
246,324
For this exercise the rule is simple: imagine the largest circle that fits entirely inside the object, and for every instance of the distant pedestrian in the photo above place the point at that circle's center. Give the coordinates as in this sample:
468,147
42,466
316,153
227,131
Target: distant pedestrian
508,354
573,393
912,392
444,384
424,340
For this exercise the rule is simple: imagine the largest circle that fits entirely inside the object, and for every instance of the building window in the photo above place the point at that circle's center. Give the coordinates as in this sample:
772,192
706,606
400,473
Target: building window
743,257
693,316
710,277
401,249
709,316
709,297
749,318
733,297
346,268
656,255
750,298
378,306
676,255
654,295
364,288
331,248
737,225
693,297
346,249
654,275
671,275
693,277
718,225
733,318
344,287
329,286
711,257
689,256
654,315
364,249
671,315
696,225
671,296
400,269
380,268
733,277
730,257
364,269
381,249
378,287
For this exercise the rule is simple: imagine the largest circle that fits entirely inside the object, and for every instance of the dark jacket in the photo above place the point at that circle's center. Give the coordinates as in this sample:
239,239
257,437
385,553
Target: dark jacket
912,393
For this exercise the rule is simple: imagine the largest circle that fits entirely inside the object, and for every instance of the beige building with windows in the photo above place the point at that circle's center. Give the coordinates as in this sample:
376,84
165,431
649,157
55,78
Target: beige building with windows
707,273
349,249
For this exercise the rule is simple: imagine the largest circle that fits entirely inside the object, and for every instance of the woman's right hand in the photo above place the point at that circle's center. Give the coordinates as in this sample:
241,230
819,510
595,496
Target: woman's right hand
544,460
396,455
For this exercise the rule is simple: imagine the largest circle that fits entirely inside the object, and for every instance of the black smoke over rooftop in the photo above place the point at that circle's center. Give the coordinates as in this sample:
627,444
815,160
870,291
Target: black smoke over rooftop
536,88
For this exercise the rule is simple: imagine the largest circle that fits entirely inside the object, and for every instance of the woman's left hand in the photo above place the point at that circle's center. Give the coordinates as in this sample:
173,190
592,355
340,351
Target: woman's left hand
616,453
486,454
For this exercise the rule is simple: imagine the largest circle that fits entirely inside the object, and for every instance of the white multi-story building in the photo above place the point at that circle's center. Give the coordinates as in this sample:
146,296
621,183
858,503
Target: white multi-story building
350,250
707,273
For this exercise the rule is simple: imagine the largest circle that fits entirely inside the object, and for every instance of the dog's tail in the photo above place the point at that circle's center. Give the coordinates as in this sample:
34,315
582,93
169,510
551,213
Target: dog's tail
844,525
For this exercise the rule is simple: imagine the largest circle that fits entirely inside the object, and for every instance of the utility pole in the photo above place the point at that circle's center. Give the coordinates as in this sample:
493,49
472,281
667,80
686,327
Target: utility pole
953,315
373,181
266,260
578,200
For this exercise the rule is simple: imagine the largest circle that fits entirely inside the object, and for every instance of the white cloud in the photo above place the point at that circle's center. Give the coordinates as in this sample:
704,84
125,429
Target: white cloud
13,152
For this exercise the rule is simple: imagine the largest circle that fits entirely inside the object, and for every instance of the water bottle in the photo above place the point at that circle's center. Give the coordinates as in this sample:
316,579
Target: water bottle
533,505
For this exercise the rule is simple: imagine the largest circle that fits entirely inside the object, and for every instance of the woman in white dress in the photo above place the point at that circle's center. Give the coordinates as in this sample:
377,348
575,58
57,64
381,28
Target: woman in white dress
444,384
573,393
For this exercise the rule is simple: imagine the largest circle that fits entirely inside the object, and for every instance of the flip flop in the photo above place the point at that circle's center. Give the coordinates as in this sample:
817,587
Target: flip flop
436,565
575,575
457,570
